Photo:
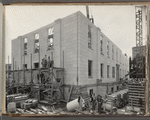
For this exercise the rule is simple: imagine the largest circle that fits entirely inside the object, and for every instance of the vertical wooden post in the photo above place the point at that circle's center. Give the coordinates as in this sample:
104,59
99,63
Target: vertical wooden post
8,70
18,80
52,65
24,73
13,68
63,76
107,88
39,76
31,69
13,75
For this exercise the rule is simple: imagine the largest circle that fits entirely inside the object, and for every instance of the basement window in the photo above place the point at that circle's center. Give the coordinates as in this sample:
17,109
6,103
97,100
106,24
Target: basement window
89,37
37,44
36,65
112,90
90,68
25,46
50,41
91,92
117,88
25,66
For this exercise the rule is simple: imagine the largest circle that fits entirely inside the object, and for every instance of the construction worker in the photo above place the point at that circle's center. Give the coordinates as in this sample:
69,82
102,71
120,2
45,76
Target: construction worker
80,101
49,62
42,63
42,77
94,101
45,61
100,102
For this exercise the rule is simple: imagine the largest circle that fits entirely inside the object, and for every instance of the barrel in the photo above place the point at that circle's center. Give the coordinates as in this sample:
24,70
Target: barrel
71,106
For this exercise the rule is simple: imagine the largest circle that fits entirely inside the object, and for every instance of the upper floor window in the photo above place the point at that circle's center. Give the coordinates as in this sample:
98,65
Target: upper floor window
90,68
37,44
50,40
102,71
25,46
120,73
120,57
101,44
113,72
107,71
117,55
108,48
89,37
113,52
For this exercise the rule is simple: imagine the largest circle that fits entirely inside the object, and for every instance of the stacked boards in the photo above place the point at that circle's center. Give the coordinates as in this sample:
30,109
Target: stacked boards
137,94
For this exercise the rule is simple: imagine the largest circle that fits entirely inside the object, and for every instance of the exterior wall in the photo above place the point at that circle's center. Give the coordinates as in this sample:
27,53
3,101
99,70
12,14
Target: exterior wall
71,50
103,90
95,55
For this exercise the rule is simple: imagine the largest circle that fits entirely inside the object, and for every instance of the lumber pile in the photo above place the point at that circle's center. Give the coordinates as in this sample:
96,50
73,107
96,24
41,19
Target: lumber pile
137,94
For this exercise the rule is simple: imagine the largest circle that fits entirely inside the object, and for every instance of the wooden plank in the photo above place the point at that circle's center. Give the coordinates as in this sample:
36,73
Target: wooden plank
136,94
138,105
136,97
70,93
135,101
136,86
136,89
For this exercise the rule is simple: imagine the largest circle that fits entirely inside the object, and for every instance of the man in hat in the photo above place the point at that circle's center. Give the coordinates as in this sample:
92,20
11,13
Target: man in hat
100,102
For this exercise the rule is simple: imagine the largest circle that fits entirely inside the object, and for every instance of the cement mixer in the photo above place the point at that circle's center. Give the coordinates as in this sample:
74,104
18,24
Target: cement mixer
73,105
109,107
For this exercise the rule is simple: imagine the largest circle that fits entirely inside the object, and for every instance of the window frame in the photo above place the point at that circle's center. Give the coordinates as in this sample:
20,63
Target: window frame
108,49
36,63
89,37
113,52
113,72
25,44
117,55
108,67
50,36
90,70
101,44
35,39
102,70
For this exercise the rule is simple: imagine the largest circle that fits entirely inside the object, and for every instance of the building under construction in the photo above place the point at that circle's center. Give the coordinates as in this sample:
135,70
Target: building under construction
80,59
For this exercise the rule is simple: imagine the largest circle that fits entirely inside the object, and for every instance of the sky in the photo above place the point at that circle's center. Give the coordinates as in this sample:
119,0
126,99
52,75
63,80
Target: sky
116,22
